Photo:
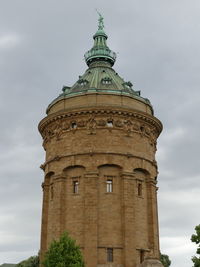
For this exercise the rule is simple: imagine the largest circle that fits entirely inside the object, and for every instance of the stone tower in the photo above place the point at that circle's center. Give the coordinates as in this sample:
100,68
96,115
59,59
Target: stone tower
100,169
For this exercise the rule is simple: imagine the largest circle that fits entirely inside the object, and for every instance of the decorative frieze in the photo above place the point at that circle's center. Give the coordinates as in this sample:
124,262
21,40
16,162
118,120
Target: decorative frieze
58,126
129,115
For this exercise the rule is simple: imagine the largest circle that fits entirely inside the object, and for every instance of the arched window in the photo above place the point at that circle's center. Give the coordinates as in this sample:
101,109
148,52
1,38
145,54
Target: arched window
74,174
109,177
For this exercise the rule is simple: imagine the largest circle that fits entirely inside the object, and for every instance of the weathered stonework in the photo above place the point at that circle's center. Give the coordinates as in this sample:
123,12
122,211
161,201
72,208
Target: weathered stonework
92,139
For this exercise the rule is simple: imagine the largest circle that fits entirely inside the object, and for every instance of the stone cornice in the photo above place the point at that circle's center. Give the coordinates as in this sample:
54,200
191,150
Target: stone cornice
57,158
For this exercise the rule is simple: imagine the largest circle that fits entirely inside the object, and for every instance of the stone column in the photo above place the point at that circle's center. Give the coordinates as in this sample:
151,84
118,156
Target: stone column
128,216
90,218
62,181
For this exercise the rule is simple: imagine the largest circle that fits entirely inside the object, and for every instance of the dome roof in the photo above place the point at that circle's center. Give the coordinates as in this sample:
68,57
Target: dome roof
100,77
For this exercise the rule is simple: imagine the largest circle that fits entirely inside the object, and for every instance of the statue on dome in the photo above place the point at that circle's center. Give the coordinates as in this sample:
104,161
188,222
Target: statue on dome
101,24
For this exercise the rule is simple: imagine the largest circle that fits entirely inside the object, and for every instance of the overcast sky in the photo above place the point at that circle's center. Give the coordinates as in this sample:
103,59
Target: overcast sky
42,44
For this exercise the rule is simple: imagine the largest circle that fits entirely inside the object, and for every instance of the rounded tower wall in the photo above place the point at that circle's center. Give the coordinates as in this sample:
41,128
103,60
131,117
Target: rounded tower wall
95,217
97,100
100,129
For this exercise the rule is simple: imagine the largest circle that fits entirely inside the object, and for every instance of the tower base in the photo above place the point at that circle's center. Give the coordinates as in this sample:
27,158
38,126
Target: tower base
151,263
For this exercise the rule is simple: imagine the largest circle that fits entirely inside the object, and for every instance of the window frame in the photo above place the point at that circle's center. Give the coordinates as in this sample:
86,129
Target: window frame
109,185
110,253
139,189
75,186
51,192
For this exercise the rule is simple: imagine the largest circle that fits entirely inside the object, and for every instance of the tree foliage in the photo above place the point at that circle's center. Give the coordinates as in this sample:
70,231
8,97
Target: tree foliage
63,253
30,262
196,239
165,260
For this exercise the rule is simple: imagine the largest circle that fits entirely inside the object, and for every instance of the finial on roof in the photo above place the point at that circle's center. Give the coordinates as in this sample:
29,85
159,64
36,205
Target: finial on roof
101,24
100,51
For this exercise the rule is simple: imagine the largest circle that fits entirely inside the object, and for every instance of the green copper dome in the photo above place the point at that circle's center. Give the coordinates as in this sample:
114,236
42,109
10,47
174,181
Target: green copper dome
100,77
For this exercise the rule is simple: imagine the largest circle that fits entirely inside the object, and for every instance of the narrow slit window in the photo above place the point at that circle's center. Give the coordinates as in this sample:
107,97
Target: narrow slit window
109,254
52,192
75,187
139,189
109,186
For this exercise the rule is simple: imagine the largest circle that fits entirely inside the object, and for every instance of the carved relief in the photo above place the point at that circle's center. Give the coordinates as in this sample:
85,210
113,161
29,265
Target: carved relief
118,123
91,125
65,125
142,130
136,126
101,123
128,127
57,130
81,123
129,124
147,130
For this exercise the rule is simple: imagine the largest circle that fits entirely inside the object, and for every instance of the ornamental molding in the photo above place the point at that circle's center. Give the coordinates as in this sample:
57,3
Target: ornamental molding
58,158
58,124
76,113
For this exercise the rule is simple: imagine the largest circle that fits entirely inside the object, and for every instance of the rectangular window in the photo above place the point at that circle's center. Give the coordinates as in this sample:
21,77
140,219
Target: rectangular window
52,192
109,186
139,189
141,255
110,254
75,187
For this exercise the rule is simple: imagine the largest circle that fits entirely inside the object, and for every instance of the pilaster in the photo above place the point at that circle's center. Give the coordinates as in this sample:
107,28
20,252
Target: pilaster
153,235
58,206
128,217
45,213
90,218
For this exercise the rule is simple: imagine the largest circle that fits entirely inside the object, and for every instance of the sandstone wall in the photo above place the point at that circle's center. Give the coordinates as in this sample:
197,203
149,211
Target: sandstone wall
91,146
